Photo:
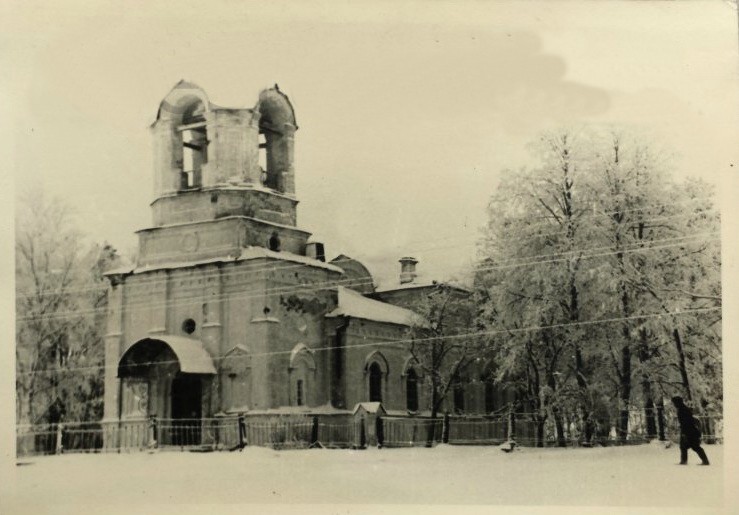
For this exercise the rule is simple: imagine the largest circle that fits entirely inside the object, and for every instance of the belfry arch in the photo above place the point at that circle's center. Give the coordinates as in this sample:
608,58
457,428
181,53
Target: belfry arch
276,123
182,136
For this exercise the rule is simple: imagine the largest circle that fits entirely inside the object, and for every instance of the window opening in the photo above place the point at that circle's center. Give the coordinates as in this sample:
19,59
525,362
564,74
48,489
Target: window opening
263,157
375,383
194,140
274,242
458,398
411,390
300,396
189,326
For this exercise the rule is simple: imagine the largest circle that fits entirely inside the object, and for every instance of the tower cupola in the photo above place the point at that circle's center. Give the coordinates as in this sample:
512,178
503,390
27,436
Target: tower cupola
221,168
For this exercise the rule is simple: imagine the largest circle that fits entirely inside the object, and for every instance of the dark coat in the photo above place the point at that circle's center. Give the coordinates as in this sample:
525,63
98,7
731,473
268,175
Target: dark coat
689,426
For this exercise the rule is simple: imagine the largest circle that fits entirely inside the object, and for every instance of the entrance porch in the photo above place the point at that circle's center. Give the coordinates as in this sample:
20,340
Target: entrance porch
168,379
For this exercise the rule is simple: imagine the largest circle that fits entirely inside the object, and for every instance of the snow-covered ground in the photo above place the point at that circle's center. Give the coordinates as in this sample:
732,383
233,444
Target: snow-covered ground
644,475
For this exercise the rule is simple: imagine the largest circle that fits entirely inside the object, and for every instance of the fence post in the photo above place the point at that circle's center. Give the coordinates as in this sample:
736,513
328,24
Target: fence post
445,428
152,432
242,432
511,424
314,434
379,432
708,431
362,434
59,431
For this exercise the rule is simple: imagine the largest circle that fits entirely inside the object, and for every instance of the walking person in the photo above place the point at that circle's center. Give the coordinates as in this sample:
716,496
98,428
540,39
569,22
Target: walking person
690,433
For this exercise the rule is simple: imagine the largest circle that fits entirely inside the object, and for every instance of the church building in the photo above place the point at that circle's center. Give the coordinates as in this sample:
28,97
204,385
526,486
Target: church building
230,307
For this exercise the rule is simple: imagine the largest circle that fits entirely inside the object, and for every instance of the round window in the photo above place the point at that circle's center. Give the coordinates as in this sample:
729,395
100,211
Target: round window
189,326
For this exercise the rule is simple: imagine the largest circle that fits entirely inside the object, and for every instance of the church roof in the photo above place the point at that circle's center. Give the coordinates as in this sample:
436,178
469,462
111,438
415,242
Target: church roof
355,305
246,254
260,252
420,284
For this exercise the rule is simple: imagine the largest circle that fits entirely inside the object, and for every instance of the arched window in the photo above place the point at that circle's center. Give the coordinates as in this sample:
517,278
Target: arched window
302,376
458,398
376,372
489,395
491,391
236,379
411,390
375,382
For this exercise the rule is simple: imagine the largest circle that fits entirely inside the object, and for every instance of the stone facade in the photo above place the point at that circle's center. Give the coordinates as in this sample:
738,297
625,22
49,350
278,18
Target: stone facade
229,308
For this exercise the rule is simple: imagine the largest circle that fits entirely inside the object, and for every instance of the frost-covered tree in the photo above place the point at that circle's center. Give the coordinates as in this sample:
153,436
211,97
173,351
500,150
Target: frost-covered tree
599,233
533,271
60,308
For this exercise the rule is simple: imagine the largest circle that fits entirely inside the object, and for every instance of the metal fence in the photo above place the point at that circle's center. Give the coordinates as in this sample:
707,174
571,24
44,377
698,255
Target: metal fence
478,431
411,432
339,435
346,431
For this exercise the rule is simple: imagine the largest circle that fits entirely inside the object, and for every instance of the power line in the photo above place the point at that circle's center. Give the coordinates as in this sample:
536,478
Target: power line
28,294
328,285
397,342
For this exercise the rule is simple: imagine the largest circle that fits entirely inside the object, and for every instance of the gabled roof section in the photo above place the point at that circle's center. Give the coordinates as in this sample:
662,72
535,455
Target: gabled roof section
355,305
422,284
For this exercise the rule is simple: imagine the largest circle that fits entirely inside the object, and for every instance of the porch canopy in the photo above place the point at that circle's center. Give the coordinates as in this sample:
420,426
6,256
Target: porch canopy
187,355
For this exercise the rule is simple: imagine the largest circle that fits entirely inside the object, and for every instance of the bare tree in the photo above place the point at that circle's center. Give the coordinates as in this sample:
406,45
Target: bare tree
60,307
441,345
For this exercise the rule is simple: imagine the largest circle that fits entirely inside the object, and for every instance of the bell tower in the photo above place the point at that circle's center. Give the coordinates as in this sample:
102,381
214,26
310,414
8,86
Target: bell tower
224,178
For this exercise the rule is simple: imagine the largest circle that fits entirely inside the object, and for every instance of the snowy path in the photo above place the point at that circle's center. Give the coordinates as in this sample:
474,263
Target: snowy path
628,476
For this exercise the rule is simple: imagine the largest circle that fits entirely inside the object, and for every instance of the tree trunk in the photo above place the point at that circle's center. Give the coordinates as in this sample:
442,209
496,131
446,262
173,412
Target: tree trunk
625,392
434,412
625,373
25,444
561,440
649,410
559,426
681,364
661,419
646,386
540,421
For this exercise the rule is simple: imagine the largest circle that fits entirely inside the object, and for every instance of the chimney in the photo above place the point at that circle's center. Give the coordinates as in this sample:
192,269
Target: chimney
315,250
407,269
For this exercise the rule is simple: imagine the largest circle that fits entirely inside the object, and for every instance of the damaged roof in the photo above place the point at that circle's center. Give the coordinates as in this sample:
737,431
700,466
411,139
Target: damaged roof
355,305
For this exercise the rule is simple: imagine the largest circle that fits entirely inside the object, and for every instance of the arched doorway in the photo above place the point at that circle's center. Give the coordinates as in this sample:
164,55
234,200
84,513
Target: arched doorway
166,377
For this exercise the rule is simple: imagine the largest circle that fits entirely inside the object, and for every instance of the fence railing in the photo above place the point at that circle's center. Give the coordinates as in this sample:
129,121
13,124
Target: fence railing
478,431
411,432
346,431
339,435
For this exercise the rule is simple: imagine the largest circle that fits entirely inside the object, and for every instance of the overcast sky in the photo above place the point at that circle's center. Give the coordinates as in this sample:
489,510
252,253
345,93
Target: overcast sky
407,112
